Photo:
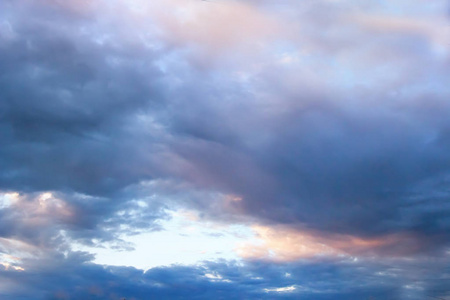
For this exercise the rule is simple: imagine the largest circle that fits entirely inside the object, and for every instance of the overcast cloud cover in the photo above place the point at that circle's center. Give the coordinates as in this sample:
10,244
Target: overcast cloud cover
323,126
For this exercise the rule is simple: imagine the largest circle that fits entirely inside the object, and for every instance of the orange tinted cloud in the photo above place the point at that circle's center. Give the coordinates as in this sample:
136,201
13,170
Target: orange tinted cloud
281,243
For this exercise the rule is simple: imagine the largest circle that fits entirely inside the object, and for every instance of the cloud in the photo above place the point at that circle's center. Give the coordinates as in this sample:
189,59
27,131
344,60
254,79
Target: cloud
73,277
281,243
323,121
306,138
39,222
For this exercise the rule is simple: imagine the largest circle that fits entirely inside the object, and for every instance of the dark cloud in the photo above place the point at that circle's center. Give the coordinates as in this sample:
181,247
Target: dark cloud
74,277
91,116
346,169
345,161
67,104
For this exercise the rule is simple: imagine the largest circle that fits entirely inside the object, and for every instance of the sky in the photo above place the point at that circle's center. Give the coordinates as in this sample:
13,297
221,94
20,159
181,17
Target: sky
224,149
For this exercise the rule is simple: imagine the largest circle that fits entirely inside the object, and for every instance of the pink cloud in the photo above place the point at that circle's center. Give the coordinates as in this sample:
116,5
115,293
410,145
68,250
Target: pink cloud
281,243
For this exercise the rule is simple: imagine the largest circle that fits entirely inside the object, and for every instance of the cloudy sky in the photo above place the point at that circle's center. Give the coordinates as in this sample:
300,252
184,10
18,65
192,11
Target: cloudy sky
225,149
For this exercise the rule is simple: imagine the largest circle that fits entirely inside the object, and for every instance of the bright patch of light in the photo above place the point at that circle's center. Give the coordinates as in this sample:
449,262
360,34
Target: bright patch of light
7,199
8,267
287,289
10,262
216,278
184,240
43,198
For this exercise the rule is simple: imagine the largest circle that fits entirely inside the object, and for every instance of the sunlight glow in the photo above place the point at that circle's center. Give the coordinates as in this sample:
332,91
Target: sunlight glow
184,240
